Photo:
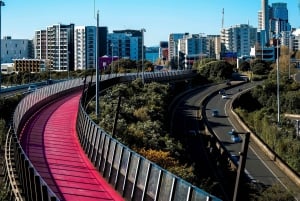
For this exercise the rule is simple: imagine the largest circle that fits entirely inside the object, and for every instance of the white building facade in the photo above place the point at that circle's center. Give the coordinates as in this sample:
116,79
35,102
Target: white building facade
238,39
79,48
56,44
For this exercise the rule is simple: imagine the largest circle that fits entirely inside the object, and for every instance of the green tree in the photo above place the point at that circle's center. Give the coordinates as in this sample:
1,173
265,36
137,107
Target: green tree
276,192
216,70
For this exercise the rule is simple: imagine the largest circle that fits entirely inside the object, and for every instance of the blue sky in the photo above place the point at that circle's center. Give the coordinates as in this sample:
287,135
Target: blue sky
159,17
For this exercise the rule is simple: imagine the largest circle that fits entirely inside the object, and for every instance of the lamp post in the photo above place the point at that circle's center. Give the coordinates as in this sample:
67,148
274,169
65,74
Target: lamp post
242,163
290,45
97,68
1,4
112,58
178,67
143,30
277,67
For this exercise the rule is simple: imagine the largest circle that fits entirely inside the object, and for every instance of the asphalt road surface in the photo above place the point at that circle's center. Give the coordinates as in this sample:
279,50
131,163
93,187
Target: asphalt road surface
258,166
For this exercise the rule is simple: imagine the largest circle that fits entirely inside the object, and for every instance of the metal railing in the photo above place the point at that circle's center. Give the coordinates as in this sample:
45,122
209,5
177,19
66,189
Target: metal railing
135,177
20,176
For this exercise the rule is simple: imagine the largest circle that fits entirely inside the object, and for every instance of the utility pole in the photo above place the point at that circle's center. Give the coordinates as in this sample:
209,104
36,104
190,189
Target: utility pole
97,67
1,4
242,164
116,117
143,30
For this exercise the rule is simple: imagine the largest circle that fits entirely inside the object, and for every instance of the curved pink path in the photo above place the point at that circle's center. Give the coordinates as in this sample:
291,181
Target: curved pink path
50,141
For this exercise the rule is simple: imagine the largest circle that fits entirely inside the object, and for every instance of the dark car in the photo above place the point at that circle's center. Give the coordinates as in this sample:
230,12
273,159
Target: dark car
215,113
236,138
222,91
32,88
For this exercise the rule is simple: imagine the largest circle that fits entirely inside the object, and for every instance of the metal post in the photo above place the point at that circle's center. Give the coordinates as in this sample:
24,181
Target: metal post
116,117
143,30
290,39
97,69
112,58
1,4
278,100
242,164
297,128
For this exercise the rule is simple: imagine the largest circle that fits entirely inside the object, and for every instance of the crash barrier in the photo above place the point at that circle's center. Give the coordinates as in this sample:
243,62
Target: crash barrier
136,175
214,141
293,175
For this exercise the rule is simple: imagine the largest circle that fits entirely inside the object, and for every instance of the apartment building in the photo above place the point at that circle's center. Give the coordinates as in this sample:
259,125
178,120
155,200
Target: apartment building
173,44
15,49
56,43
30,65
125,44
238,39
80,47
192,47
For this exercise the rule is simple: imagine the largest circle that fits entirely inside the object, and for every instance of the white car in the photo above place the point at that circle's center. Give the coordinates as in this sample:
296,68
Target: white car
224,96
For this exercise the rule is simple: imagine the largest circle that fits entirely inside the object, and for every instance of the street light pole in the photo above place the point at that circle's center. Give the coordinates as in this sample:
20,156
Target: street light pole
143,30
277,66
97,69
290,45
112,58
242,164
1,4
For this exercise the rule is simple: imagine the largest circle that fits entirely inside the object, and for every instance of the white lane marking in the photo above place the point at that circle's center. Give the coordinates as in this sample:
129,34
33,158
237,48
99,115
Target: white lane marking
256,153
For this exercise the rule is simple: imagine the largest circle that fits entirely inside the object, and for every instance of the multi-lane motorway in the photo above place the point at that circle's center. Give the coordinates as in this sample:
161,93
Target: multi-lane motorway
259,167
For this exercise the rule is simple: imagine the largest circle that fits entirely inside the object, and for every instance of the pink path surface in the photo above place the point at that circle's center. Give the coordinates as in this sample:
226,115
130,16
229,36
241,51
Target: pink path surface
50,141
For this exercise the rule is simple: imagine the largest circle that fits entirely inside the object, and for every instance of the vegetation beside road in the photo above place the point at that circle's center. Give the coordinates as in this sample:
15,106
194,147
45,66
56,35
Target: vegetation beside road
261,116
7,107
143,123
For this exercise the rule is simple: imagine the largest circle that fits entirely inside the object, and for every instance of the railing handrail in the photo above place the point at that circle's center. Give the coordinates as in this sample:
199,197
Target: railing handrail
35,100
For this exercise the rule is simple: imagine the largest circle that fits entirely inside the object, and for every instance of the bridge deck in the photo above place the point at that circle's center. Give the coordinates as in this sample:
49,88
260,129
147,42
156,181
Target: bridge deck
50,141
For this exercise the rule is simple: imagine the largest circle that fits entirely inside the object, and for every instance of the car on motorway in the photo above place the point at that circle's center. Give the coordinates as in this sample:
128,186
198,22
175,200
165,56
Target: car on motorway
224,96
215,113
32,88
232,132
235,158
236,138
222,91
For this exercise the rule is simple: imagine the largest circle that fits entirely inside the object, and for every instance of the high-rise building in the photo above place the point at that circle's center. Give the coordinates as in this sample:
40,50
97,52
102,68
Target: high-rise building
263,22
212,46
81,46
15,49
239,39
125,44
272,20
279,18
57,42
40,44
173,44
192,47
